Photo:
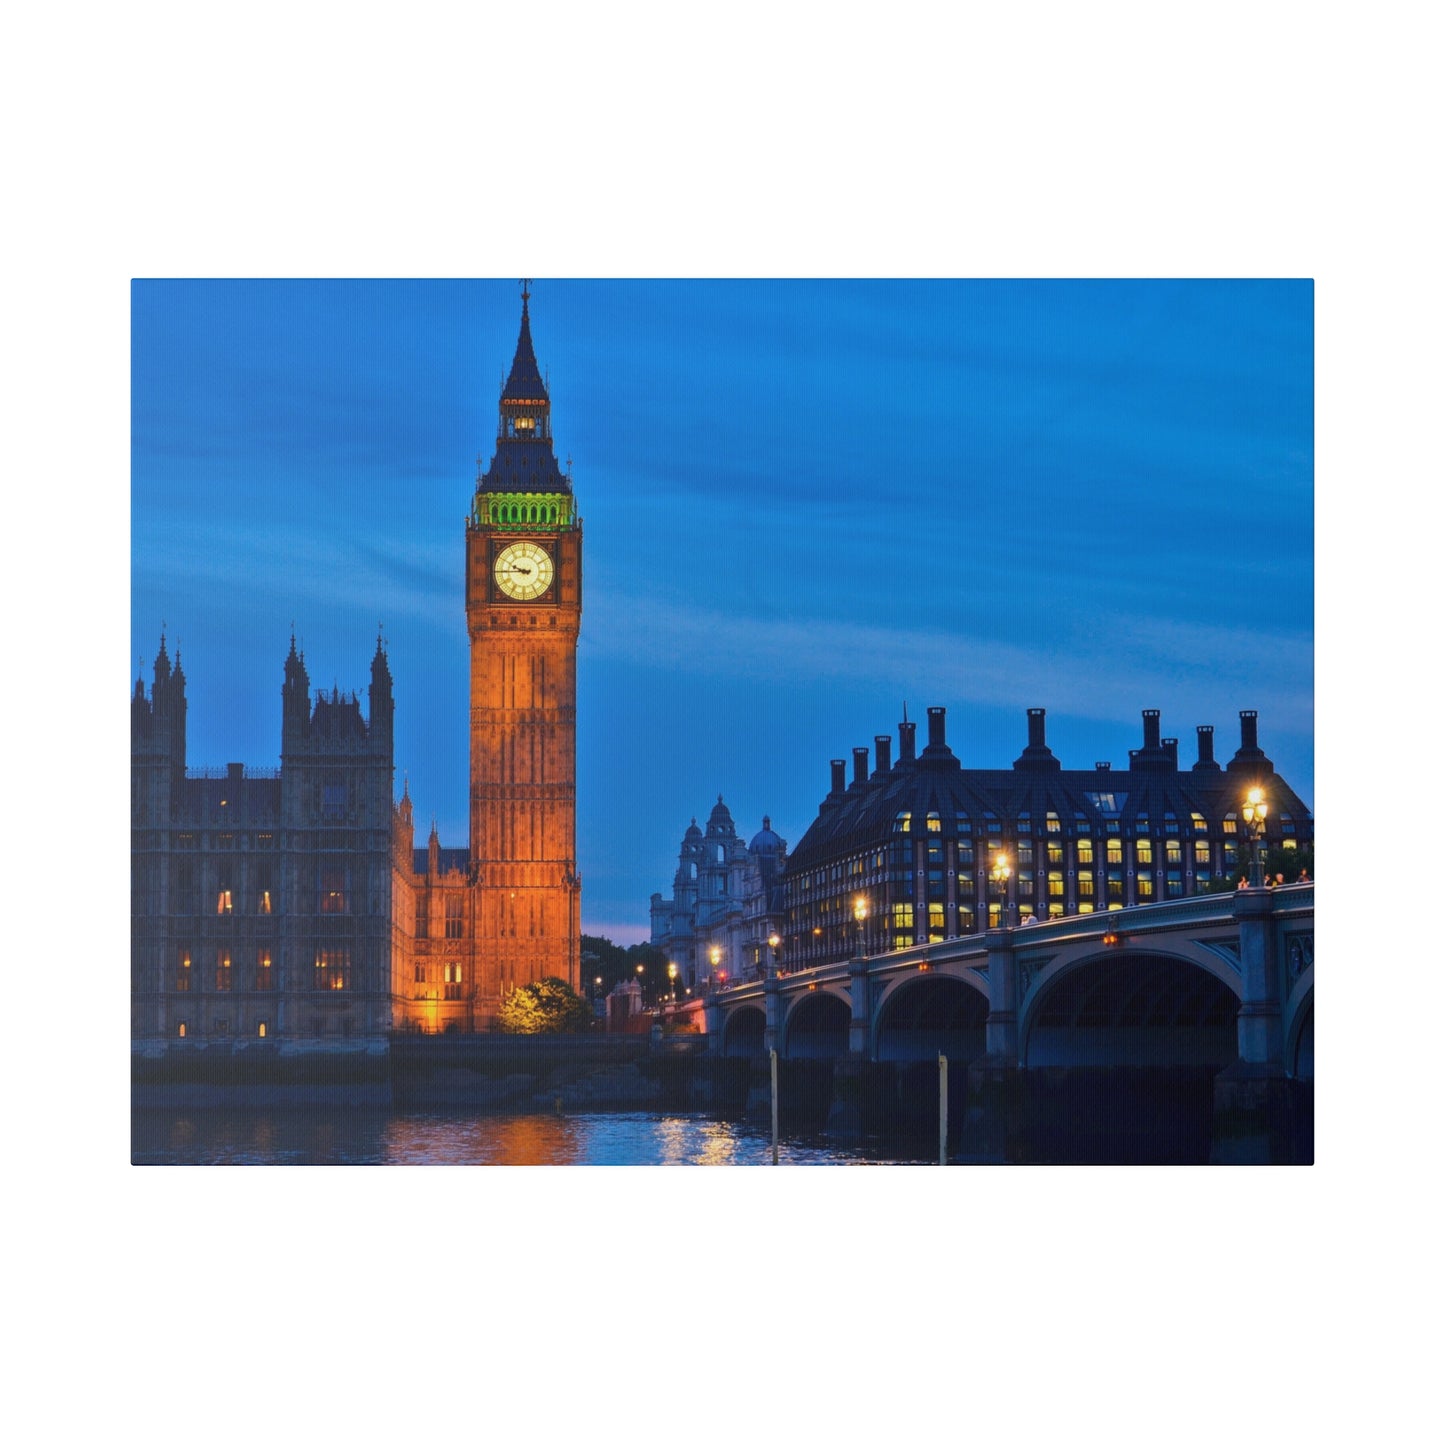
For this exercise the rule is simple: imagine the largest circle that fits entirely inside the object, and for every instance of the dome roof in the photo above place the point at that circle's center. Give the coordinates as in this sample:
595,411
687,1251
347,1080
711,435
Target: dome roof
693,831
720,821
767,841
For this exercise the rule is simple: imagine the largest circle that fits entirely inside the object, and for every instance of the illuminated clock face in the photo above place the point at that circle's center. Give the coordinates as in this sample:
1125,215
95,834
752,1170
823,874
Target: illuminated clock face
524,570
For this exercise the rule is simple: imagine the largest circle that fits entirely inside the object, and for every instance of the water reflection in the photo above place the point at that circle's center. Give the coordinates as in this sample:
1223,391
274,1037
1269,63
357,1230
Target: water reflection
351,1136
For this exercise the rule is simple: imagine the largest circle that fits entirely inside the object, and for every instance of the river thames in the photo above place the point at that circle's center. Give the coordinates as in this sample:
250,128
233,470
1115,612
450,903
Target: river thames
380,1136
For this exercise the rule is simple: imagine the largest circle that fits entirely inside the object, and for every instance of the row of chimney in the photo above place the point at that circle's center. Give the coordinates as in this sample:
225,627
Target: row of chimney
1155,749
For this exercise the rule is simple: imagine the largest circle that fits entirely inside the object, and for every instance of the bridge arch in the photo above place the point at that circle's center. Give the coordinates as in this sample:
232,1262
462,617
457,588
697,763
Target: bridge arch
743,1032
927,1014
1134,1008
817,1026
1299,1027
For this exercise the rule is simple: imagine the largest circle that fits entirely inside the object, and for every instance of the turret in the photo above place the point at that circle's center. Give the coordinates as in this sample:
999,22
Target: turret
380,700
295,701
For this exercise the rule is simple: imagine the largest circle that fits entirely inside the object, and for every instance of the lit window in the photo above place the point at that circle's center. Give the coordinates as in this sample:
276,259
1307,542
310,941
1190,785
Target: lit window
1201,855
1144,852
1086,851
223,970
183,970
333,890
261,1030
1173,853
1056,852
1051,822
180,1031
264,905
223,901
1197,822
333,965
935,923
1144,885
1056,884
1114,852
265,975
933,823
1231,823
1086,885
903,823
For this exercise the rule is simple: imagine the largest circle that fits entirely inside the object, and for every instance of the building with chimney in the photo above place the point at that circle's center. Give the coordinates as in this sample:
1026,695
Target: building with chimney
911,844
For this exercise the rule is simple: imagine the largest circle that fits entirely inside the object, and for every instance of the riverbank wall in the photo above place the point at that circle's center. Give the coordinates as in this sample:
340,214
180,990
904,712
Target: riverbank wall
1056,1116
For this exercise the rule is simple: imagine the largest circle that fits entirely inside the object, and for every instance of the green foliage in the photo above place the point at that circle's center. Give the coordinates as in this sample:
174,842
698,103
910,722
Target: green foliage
601,958
546,1007
1289,861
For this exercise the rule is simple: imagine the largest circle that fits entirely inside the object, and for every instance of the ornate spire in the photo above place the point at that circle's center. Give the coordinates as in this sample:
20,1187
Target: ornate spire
525,381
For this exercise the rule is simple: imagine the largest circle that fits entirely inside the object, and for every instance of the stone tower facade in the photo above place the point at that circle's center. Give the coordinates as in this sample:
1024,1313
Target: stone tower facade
261,899
524,611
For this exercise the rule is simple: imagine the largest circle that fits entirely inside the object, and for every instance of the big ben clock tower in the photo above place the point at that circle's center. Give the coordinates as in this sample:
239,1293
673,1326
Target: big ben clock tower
524,609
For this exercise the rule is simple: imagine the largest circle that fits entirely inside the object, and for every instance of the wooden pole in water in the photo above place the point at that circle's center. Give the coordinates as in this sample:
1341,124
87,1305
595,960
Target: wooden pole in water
774,1060
943,1108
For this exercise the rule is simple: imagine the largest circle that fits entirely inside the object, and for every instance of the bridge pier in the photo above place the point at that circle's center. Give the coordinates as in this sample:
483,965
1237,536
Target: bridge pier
1259,1113
860,1024
1001,1033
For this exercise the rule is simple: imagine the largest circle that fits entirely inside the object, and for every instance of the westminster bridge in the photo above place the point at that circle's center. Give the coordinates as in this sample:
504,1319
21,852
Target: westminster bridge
1221,985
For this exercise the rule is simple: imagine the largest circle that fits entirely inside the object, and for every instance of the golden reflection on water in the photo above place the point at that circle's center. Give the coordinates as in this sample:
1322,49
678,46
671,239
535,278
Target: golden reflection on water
338,1136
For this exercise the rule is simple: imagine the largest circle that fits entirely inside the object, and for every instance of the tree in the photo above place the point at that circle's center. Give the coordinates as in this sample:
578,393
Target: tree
546,1007
1289,861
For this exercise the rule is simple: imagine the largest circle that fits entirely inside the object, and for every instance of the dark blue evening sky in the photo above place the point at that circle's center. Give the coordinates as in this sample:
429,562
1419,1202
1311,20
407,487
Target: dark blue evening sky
805,504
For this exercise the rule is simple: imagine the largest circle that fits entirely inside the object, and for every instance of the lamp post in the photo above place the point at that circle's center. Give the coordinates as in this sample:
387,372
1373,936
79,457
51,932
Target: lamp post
715,955
1000,873
672,981
1256,810
775,945
860,912
641,983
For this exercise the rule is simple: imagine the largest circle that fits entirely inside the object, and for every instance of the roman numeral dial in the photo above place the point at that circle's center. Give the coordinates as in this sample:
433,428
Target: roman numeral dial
523,571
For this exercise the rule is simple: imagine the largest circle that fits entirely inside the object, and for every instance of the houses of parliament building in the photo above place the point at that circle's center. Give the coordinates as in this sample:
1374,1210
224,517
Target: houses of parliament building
293,902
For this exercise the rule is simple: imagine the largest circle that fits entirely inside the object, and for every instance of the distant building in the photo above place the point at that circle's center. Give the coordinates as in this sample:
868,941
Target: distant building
915,841
726,896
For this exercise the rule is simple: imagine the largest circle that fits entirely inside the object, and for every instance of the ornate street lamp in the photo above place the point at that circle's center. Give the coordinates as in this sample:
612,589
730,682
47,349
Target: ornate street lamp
672,981
715,954
860,912
1256,810
775,944
1000,873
